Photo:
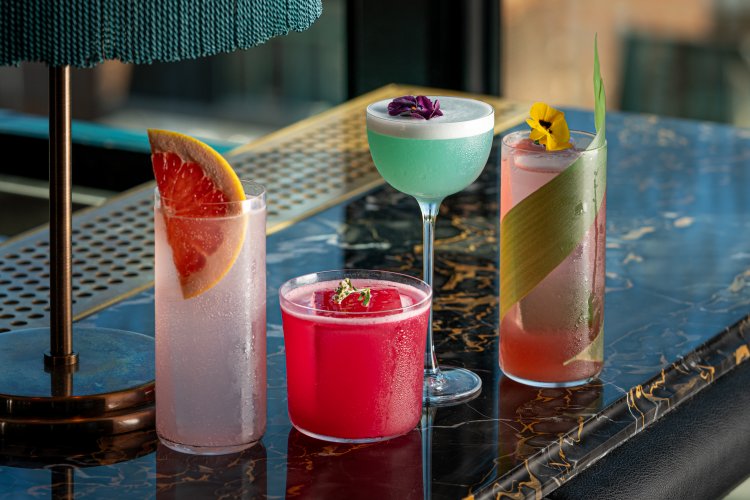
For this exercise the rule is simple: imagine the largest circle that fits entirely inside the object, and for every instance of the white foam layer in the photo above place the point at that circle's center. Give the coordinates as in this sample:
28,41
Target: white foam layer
461,118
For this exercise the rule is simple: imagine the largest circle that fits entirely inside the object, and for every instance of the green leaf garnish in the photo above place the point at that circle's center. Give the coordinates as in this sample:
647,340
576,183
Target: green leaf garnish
365,296
600,102
346,288
592,352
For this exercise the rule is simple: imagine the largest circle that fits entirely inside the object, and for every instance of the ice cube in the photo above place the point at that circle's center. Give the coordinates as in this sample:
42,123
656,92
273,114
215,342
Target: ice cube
381,299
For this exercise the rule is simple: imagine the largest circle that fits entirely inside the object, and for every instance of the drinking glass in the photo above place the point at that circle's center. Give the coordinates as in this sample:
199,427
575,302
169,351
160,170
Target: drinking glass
553,335
429,160
354,373
211,348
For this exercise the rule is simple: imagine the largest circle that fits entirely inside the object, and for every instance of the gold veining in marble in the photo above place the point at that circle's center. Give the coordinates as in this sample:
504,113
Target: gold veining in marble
741,354
706,372
519,494
639,392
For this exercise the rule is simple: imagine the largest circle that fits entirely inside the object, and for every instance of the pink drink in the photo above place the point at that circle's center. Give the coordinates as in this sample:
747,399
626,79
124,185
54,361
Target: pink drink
211,349
355,376
542,336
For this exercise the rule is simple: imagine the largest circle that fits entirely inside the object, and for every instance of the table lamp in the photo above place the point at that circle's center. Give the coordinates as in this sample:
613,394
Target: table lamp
105,386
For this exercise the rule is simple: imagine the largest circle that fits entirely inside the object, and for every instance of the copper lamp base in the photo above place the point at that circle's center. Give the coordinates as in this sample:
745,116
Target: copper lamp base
109,391
48,391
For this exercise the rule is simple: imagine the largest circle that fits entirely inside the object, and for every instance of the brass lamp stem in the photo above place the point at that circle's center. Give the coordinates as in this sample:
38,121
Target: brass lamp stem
60,173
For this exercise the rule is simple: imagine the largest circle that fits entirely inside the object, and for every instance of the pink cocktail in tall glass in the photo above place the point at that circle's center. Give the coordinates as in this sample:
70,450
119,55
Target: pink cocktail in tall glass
354,368
552,337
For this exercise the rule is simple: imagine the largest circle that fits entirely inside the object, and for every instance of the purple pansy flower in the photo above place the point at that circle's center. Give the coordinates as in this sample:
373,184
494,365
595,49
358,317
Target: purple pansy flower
418,107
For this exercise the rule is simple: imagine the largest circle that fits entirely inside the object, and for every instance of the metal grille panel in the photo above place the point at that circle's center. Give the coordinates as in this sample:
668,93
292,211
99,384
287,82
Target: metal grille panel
307,167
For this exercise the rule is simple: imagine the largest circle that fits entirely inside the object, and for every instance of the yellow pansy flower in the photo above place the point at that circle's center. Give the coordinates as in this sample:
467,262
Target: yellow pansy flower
548,127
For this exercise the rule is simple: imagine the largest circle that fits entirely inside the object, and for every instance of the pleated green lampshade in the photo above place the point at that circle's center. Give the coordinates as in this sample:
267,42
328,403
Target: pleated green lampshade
83,33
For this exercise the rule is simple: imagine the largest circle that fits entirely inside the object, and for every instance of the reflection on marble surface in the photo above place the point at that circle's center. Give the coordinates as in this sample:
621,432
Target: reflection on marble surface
678,286
100,468
179,475
392,469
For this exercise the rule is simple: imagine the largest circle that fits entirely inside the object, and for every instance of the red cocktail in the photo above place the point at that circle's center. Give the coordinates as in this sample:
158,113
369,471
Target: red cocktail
355,365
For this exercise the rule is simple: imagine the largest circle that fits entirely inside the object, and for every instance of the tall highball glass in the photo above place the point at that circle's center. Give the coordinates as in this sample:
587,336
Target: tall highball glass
211,335
553,335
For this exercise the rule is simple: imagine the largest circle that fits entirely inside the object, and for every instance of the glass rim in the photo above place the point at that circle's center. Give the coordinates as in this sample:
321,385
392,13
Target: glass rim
340,274
515,133
396,126
489,109
255,196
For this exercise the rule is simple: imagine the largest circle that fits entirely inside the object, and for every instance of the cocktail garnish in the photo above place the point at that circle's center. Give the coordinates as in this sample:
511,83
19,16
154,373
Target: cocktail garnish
548,127
346,288
198,190
382,300
420,107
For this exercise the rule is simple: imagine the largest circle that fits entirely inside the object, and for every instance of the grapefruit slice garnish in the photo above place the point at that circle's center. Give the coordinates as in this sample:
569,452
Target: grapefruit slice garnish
199,192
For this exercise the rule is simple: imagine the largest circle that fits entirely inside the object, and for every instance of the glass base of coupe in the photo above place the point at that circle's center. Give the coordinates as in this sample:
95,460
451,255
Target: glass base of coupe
552,248
429,150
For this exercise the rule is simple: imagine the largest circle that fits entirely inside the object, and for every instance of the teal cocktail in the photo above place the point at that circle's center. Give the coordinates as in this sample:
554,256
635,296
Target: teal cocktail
430,159
429,169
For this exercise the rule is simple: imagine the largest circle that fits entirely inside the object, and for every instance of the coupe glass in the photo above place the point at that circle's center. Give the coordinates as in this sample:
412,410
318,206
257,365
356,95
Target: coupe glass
429,160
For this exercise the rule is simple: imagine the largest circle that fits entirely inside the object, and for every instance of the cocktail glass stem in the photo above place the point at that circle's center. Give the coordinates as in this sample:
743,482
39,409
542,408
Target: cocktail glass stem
429,215
449,385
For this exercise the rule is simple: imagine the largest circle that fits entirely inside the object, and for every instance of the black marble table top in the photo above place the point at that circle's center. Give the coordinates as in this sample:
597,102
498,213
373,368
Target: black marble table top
677,302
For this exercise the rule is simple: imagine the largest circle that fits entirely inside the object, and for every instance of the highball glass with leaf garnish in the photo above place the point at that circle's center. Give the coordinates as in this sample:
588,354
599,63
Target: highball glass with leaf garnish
431,148
553,209
553,234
